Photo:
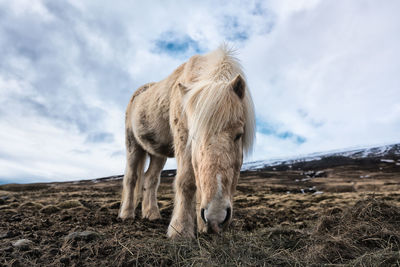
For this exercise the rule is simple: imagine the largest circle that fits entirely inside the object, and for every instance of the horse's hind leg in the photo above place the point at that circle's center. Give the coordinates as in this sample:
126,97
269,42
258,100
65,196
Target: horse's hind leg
150,186
132,184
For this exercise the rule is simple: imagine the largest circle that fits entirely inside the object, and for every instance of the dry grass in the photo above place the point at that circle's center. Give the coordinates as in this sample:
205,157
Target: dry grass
271,227
366,234
362,234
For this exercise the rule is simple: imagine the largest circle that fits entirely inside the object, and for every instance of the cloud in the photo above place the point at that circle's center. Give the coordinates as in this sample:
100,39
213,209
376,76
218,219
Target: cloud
323,75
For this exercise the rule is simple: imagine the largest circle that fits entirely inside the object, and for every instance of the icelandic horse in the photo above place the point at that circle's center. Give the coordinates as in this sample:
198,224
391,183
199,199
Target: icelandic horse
202,114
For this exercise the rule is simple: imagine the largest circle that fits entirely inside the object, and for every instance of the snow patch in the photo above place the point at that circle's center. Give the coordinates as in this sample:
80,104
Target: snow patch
354,153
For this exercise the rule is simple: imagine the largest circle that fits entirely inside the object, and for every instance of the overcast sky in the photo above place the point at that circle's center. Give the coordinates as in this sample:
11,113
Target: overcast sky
323,74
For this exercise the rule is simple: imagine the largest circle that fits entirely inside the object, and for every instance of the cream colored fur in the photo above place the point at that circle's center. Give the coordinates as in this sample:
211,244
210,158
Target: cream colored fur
203,115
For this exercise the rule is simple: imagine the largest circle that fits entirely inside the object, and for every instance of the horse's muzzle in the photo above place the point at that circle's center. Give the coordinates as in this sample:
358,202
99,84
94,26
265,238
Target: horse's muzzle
214,226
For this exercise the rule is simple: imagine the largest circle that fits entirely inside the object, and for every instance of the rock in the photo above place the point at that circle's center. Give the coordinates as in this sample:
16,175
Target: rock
85,235
22,244
50,209
309,173
320,174
314,174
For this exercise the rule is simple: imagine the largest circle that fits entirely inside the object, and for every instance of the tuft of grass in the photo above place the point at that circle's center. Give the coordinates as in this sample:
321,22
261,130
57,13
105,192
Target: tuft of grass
384,257
69,204
23,187
49,209
229,249
363,233
31,206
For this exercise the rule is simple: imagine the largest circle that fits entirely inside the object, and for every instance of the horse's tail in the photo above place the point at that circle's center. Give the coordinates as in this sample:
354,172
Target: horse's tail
139,182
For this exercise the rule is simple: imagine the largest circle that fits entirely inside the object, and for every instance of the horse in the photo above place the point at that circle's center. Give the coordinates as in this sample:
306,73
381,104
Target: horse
203,115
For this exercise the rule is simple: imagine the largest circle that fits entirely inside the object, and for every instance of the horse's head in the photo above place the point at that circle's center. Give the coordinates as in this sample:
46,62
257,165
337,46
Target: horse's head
217,167
220,128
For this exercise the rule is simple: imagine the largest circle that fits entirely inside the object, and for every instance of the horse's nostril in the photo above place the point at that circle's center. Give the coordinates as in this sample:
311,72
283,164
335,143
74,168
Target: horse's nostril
228,216
203,216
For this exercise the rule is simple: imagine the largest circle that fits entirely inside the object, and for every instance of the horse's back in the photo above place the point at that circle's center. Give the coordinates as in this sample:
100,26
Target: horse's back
148,112
147,117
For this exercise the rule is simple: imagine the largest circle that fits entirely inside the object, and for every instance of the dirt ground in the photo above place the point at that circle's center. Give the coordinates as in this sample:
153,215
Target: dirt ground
334,211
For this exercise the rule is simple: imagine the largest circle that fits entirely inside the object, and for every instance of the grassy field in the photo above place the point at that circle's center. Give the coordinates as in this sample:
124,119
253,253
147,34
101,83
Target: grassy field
317,213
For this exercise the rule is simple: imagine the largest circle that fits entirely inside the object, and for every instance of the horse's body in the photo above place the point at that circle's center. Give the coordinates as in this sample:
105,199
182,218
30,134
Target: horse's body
203,115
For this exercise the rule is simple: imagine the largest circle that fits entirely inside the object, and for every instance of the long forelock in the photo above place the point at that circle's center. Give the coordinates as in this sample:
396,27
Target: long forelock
212,106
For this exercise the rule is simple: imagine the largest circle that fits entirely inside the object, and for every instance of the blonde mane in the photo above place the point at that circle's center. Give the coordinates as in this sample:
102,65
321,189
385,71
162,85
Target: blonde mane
211,104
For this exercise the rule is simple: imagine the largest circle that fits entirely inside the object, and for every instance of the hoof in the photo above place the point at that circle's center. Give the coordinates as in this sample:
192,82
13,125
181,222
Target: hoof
126,214
152,215
174,234
202,228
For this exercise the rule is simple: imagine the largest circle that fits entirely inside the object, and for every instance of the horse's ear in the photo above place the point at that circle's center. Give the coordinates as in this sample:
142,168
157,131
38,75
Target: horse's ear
183,88
238,86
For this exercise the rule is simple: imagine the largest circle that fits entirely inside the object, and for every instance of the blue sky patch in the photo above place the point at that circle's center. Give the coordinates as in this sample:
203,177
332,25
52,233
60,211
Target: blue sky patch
269,129
101,137
175,44
233,30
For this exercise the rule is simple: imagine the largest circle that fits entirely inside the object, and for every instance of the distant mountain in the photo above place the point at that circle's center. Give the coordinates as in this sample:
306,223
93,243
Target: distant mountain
315,161
388,153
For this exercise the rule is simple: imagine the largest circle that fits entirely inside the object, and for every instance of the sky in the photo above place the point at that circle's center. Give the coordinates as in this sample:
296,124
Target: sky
324,75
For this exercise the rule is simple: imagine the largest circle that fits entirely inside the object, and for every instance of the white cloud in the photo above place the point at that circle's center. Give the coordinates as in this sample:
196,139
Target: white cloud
328,73
30,7
322,71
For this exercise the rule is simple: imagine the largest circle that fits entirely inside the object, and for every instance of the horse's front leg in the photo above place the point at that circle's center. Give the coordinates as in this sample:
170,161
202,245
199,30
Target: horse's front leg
183,216
201,226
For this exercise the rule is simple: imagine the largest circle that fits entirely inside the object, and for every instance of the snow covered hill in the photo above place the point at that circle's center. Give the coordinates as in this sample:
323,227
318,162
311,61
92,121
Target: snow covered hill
387,153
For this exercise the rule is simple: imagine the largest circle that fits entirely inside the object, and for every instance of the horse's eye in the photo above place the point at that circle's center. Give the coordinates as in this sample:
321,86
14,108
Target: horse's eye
238,136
